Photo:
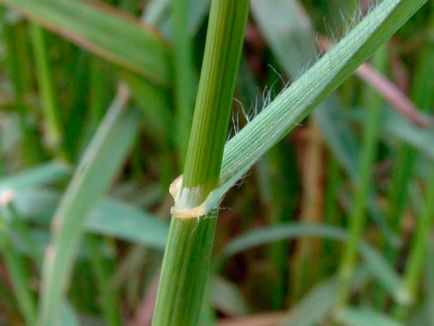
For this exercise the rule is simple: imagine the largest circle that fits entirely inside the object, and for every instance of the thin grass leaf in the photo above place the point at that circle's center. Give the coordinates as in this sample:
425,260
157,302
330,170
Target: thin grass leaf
126,222
401,129
365,317
373,259
319,302
96,170
289,32
227,298
69,316
103,32
36,205
111,217
429,281
357,217
158,14
156,106
50,108
315,306
35,177
17,63
418,251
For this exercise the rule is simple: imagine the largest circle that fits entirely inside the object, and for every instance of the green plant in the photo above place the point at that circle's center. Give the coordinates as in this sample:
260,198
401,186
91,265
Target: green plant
192,230
110,203
259,135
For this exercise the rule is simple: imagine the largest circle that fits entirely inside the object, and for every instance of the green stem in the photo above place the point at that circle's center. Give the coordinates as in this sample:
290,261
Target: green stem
215,93
358,214
18,66
185,271
188,252
423,97
417,254
50,109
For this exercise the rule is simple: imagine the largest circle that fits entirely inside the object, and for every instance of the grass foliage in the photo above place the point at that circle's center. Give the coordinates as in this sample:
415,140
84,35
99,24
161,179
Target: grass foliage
307,188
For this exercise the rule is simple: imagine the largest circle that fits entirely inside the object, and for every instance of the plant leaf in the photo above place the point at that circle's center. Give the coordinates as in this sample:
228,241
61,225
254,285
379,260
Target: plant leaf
227,298
401,129
126,222
112,218
365,317
289,32
97,168
284,113
35,177
315,305
374,260
103,32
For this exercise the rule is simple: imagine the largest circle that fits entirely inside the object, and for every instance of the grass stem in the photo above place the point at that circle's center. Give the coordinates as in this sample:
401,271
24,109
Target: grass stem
188,251
50,109
358,214
417,253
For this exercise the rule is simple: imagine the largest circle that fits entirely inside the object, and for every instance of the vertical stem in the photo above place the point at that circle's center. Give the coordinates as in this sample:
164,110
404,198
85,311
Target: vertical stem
188,252
185,271
53,126
213,105
417,254
358,214
18,67
423,97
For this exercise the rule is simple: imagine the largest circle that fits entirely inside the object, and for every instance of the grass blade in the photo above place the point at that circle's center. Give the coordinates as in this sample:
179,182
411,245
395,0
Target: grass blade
295,103
126,222
315,306
49,105
227,298
365,182
97,169
110,218
378,265
35,177
365,317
